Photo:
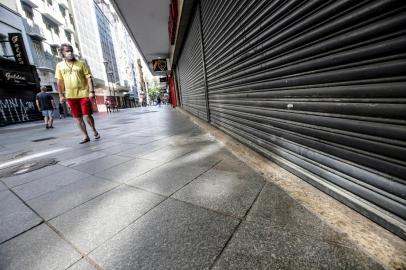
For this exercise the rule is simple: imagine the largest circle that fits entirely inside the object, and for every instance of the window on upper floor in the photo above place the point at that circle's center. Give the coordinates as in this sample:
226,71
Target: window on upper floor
54,50
28,11
5,51
29,14
63,10
50,26
47,23
71,19
38,49
68,36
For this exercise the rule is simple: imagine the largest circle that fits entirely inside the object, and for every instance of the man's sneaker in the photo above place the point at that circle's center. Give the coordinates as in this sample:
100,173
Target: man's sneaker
46,126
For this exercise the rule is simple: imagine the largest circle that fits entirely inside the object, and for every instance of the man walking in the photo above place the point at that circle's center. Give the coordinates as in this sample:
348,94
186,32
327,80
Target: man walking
107,103
158,101
76,86
46,105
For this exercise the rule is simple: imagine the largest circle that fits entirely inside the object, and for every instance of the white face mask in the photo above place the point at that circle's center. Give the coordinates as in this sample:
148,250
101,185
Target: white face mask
68,55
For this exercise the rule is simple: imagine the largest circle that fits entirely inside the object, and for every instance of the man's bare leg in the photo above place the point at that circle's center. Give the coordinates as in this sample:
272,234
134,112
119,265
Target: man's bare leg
82,126
46,120
90,121
51,121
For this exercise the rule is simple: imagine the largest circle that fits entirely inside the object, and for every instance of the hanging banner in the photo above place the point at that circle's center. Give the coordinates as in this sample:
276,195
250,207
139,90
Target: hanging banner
17,45
173,20
159,65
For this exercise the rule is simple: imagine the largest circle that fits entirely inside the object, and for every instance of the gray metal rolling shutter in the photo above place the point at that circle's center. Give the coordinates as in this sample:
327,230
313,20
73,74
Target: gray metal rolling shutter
319,87
190,72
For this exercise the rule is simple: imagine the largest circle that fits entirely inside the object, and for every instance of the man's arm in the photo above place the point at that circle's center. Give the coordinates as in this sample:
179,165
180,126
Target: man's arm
61,90
53,104
88,75
91,88
37,102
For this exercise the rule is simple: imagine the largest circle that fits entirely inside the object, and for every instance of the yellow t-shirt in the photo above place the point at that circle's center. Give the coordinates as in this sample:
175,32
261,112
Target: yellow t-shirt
74,75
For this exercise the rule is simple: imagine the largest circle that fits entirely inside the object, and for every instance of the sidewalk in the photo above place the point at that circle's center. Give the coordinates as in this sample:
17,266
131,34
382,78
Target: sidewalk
156,192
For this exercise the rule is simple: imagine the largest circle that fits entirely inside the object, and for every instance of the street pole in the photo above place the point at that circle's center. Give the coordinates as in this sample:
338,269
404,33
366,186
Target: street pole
111,78
106,64
114,90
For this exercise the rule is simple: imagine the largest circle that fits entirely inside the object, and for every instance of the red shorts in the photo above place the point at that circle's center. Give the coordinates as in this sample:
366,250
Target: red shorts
80,106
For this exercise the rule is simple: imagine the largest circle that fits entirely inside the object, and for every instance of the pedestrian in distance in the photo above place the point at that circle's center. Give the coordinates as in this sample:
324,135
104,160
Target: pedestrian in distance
114,105
158,100
75,85
166,98
46,105
108,106
61,111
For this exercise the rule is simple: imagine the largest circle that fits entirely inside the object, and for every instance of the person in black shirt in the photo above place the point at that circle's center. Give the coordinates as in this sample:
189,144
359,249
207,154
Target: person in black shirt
46,105
158,100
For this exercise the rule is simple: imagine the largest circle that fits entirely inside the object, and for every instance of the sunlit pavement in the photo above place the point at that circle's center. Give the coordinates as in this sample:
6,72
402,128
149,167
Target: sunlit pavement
155,192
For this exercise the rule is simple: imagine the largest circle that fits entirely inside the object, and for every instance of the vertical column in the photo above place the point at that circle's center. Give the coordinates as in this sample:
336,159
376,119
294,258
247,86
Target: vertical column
179,87
206,91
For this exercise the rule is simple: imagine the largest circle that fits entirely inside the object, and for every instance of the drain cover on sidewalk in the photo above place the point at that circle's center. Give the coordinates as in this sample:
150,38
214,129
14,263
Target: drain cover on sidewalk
26,167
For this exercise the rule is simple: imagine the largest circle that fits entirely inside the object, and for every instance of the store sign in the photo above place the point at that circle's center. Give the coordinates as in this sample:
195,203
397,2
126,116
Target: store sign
159,65
17,45
15,77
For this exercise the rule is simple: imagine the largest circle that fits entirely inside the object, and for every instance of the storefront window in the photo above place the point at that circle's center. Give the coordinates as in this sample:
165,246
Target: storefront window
5,51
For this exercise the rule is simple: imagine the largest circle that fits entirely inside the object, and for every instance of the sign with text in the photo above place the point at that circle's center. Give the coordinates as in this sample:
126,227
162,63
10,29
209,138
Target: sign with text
18,47
15,77
12,73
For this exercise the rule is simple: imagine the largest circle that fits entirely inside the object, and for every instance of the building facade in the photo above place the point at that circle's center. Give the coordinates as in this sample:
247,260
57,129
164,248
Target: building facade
127,56
109,51
19,80
84,13
127,84
48,24
96,35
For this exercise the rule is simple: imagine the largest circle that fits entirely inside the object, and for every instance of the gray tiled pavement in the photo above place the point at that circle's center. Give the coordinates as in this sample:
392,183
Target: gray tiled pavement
48,183
94,222
15,217
2,186
155,192
257,247
167,179
101,164
39,248
226,192
174,235
67,197
82,265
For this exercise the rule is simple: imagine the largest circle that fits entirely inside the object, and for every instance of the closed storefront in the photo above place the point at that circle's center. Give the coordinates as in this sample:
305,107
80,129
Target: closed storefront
18,87
319,87
191,72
